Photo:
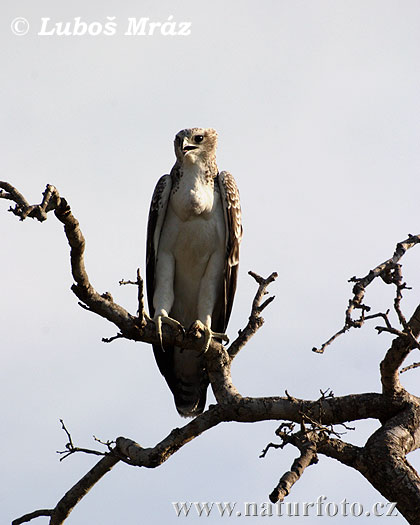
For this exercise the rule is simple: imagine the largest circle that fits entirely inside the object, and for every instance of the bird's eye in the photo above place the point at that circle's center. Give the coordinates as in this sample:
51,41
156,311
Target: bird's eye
198,139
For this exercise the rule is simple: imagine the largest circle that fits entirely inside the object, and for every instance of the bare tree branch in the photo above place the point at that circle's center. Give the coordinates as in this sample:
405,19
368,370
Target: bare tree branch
307,457
71,449
140,284
388,447
343,452
255,320
409,367
67,503
397,410
33,515
400,348
113,338
140,328
390,272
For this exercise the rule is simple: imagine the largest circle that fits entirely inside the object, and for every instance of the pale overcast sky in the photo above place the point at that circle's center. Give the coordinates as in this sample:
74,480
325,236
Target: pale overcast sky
316,104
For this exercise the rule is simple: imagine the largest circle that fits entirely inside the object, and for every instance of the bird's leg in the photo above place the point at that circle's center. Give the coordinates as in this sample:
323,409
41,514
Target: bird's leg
210,289
208,334
163,296
163,318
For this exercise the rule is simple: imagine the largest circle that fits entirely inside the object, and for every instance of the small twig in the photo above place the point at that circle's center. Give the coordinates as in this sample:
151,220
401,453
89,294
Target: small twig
79,449
23,209
122,282
13,194
325,394
267,302
140,297
346,427
397,279
285,428
71,449
262,290
32,515
69,445
255,320
87,308
110,339
316,425
107,443
390,330
380,314
321,349
405,335
283,431
270,445
141,312
289,397
409,367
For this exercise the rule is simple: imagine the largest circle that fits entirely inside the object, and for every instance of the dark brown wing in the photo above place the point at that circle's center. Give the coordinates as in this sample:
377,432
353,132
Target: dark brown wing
157,214
229,194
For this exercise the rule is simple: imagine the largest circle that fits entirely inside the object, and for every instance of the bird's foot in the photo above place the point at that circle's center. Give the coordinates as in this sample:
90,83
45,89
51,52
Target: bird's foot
165,319
208,334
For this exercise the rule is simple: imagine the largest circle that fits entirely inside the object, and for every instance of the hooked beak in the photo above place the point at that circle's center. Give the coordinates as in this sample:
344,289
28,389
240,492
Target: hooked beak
186,147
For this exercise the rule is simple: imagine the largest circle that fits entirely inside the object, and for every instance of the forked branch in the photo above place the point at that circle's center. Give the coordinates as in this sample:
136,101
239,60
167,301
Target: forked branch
135,327
255,320
397,410
390,272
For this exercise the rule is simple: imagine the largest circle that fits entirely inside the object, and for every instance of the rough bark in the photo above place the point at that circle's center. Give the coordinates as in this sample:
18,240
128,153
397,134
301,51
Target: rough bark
382,461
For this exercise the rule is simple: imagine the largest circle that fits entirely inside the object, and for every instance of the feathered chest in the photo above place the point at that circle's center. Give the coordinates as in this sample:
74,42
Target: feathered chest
194,194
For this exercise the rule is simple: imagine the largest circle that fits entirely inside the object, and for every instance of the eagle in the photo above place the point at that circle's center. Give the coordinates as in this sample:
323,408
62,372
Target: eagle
192,255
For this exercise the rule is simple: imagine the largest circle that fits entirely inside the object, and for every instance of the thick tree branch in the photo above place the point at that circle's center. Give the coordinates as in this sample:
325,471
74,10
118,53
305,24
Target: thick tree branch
306,443
400,348
386,466
343,452
307,457
331,410
382,460
67,503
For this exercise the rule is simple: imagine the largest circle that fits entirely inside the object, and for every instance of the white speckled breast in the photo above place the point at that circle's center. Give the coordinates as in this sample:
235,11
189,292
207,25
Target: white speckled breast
194,195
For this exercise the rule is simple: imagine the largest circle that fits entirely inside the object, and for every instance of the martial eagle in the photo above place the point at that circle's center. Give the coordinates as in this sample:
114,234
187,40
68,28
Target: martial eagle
193,237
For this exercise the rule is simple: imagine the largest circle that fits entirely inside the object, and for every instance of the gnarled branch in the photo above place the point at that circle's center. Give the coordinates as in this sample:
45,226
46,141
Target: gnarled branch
390,272
397,410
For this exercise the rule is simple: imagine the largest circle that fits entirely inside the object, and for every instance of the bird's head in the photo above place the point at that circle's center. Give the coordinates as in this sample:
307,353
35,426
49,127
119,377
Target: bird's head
195,144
